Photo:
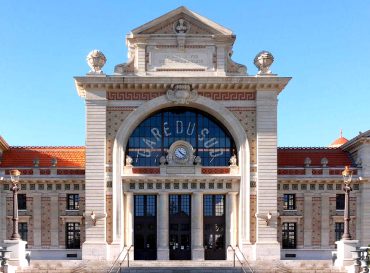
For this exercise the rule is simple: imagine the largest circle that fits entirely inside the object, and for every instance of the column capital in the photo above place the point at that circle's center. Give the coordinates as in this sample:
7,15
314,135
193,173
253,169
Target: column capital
233,193
198,193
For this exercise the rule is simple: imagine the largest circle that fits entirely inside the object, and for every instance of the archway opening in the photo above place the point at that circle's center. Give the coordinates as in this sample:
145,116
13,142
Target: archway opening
154,135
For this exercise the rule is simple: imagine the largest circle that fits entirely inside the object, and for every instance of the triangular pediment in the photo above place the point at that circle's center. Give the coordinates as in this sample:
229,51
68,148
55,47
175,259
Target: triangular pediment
182,20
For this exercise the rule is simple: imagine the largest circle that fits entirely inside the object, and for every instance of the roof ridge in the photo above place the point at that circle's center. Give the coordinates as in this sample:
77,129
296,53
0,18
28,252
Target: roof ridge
308,148
47,147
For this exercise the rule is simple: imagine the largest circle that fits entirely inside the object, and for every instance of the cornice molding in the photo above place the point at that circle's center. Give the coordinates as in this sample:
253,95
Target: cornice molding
248,83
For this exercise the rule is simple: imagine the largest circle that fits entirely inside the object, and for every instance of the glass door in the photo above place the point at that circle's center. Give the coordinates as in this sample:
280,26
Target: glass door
180,227
145,227
214,227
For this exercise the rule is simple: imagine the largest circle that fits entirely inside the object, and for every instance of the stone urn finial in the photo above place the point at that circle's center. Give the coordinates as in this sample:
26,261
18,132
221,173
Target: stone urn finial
96,60
263,61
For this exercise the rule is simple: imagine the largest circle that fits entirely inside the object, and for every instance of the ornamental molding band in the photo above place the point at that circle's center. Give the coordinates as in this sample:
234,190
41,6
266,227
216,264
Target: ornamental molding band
134,95
148,95
181,94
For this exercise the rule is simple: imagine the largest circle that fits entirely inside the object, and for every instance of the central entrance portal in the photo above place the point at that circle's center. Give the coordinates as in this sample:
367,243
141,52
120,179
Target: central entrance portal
145,227
180,227
214,227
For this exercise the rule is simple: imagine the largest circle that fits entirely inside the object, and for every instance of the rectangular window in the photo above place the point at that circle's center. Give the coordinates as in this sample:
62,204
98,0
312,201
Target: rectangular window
179,204
23,231
72,235
73,201
339,230
340,202
289,235
289,202
145,205
22,202
213,205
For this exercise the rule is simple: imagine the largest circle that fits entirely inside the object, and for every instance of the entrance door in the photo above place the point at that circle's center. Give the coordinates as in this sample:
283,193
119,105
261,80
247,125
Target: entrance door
214,227
145,227
180,227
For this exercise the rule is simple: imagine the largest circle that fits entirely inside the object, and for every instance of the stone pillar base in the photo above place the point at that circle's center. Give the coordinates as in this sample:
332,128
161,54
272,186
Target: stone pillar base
344,255
229,254
115,249
197,254
163,254
266,251
18,252
95,251
248,250
9,269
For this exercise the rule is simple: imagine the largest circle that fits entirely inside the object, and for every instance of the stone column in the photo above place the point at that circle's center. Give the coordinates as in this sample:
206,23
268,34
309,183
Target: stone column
140,62
2,214
231,223
162,230
95,246
129,221
266,127
307,220
36,220
325,215
197,249
364,235
54,220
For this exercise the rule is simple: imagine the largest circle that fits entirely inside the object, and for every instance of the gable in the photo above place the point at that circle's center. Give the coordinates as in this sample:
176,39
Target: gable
182,20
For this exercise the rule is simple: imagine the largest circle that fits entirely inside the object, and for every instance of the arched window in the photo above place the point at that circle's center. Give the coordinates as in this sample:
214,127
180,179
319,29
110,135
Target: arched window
152,138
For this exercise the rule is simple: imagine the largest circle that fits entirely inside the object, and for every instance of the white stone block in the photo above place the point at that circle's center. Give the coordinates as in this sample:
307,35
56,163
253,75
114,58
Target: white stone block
18,252
344,255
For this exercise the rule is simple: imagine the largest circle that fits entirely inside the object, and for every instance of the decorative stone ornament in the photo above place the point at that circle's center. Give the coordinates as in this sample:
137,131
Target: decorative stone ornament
181,94
233,161
181,26
162,160
54,162
129,161
307,162
324,162
36,162
263,61
198,160
96,60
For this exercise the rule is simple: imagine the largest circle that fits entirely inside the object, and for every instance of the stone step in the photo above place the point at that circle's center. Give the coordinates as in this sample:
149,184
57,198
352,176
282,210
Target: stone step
182,270
182,263
78,266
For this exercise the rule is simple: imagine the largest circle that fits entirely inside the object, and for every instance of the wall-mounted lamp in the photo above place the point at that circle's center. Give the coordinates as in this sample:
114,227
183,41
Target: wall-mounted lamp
93,218
265,216
268,218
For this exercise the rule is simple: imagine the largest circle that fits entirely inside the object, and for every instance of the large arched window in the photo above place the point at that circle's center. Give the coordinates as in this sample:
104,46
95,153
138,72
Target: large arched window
152,138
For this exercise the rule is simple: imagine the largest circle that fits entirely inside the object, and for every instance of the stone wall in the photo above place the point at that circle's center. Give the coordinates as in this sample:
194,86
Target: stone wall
41,215
321,214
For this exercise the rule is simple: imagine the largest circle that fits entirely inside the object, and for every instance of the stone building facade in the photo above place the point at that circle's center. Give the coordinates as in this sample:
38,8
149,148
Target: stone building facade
181,161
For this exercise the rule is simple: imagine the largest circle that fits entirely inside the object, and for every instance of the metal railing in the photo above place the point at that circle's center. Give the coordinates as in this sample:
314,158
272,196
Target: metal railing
118,262
244,264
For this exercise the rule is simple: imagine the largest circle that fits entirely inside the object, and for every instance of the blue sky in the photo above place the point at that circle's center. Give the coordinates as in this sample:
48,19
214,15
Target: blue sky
323,45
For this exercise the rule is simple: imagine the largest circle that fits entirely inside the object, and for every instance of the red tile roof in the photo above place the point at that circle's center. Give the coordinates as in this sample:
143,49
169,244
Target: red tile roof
75,156
338,142
23,156
294,157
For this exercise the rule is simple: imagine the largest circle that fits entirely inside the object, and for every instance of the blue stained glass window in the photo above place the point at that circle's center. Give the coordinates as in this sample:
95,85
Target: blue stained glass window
153,137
